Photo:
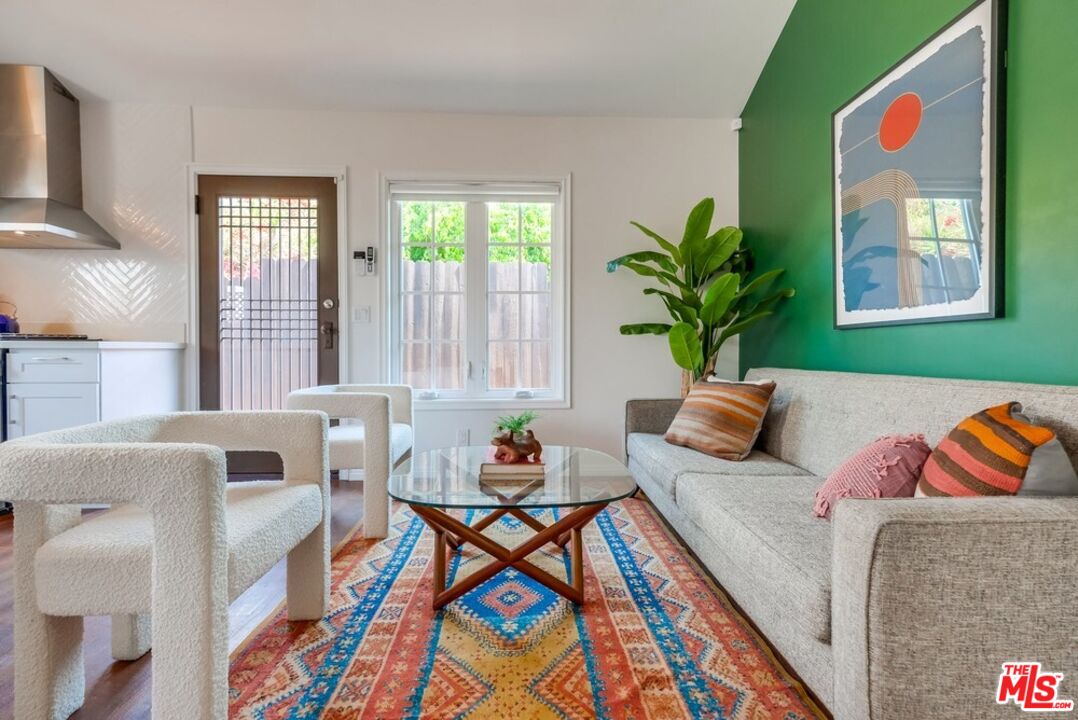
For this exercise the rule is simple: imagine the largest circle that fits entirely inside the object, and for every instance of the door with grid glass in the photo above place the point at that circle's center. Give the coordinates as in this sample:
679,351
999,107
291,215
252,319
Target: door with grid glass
268,313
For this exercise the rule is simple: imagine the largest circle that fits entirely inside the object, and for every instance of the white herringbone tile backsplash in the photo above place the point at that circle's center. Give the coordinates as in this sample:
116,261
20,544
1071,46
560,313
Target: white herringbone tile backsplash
134,184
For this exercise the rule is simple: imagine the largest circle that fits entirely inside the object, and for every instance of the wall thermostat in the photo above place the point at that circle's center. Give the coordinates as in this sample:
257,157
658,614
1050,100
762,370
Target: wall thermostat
366,256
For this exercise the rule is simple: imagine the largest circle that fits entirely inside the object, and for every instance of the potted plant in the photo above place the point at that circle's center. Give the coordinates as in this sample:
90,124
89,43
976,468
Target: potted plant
707,285
514,440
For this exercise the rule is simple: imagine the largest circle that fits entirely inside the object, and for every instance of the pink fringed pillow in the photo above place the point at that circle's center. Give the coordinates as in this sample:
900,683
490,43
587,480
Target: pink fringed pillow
888,467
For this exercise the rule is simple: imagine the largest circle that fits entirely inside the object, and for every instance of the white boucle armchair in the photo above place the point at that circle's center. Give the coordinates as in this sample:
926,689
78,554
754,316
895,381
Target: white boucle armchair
384,438
165,562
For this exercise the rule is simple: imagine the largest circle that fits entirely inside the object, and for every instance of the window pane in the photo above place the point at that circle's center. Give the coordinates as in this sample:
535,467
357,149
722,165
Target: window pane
535,365
502,364
503,271
535,317
415,269
503,222
415,365
415,317
535,272
950,222
447,320
503,318
535,222
959,269
449,367
449,269
919,217
449,222
416,222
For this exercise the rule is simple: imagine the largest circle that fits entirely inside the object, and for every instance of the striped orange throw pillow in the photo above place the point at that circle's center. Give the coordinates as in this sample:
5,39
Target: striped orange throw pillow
721,418
987,454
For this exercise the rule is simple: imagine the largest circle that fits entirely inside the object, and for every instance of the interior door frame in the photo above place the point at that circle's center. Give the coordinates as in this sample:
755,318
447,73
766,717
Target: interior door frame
344,263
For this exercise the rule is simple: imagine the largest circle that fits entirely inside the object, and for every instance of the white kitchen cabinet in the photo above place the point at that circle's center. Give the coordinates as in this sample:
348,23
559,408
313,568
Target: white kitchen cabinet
52,385
41,407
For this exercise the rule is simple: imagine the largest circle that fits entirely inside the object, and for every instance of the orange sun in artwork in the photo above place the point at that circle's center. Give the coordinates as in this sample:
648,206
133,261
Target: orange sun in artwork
900,122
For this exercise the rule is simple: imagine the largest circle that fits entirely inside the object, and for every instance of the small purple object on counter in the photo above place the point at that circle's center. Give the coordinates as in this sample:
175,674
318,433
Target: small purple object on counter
9,323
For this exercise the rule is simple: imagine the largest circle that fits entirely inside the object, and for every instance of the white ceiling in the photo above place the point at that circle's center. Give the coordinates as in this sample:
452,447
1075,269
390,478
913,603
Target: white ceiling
679,58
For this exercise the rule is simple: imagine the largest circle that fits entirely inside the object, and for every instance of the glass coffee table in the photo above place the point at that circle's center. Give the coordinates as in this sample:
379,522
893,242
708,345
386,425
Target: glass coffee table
582,481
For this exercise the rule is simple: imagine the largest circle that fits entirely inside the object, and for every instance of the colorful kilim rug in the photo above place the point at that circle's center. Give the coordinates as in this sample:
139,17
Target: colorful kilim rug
655,638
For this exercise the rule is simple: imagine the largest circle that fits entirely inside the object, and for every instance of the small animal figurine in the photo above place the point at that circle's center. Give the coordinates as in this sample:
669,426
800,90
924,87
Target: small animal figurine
506,451
517,447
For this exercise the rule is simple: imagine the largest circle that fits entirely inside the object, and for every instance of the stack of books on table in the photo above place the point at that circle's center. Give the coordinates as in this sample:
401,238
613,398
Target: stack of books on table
521,473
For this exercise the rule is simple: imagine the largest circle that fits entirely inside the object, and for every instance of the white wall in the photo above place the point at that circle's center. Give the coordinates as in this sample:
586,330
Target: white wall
134,184
651,170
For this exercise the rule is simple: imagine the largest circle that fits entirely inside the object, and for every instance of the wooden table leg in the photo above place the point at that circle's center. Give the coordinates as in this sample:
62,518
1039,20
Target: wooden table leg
439,561
446,526
576,562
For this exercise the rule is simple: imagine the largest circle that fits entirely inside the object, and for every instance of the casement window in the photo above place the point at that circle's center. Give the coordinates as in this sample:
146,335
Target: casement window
479,299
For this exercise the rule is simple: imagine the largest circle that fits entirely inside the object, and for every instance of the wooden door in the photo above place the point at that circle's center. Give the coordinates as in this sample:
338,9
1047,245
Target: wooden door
268,315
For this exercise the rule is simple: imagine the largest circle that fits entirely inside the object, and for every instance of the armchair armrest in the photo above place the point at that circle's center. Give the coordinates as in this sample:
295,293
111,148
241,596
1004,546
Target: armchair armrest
650,416
931,596
400,397
142,473
355,401
299,437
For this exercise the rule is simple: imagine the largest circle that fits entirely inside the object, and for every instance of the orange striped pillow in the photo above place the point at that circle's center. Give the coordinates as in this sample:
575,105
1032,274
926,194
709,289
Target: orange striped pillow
721,418
987,454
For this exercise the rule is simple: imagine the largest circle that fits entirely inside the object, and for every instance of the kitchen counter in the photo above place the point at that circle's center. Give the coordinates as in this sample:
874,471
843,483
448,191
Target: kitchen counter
51,384
88,345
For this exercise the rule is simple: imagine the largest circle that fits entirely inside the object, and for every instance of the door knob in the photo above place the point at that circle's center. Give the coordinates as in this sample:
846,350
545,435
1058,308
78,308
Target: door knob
328,330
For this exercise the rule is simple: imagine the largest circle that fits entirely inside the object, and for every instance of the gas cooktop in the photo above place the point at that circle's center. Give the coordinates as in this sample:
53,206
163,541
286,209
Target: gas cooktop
44,336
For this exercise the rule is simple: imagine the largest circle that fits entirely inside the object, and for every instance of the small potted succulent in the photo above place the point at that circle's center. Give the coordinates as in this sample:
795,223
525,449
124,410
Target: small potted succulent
514,440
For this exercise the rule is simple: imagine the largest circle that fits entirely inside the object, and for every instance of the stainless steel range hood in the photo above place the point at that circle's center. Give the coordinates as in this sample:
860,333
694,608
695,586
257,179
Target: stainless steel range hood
41,165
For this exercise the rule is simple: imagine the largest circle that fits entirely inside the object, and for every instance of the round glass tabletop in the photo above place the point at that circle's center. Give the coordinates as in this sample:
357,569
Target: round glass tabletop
451,478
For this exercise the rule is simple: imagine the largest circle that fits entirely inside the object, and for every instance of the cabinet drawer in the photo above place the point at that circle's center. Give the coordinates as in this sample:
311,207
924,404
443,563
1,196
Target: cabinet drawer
34,408
53,366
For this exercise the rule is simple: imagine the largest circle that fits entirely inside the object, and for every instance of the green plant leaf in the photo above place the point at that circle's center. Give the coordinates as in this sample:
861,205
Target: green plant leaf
718,298
644,256
698,222
648,271
693,300
685,347
769,302
713,251
663,242
760,281
742,325
696,227
645,329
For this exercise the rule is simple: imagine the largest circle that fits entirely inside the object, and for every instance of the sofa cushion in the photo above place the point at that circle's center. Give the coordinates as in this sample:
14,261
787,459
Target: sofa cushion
665,462
986,454
111,553
768,522
818,419
346,445
721,418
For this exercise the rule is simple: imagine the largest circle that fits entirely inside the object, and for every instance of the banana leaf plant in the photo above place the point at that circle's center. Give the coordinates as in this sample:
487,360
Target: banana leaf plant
707,284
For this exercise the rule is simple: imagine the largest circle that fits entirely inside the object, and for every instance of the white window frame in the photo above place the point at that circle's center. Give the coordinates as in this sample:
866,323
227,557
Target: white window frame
481,191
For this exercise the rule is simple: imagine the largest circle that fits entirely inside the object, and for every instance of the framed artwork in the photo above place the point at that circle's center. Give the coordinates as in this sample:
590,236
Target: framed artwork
918,181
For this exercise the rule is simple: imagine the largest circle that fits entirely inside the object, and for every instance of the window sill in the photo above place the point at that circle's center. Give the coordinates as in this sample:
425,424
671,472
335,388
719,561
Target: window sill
492,404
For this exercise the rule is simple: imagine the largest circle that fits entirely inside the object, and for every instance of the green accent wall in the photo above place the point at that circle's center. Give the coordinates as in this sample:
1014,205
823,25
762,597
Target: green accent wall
828,51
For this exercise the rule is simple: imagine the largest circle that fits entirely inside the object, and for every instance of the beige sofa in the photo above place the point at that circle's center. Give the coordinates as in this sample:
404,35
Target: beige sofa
900,608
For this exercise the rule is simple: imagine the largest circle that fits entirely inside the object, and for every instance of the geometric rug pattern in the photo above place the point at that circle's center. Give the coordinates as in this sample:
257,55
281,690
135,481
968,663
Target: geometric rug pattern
654,639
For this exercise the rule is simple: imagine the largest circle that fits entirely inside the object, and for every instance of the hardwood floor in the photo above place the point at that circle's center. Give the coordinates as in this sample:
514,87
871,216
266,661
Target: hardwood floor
117,690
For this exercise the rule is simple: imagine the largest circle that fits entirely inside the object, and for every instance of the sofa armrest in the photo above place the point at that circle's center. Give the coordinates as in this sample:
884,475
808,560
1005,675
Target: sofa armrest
931,596
650,416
